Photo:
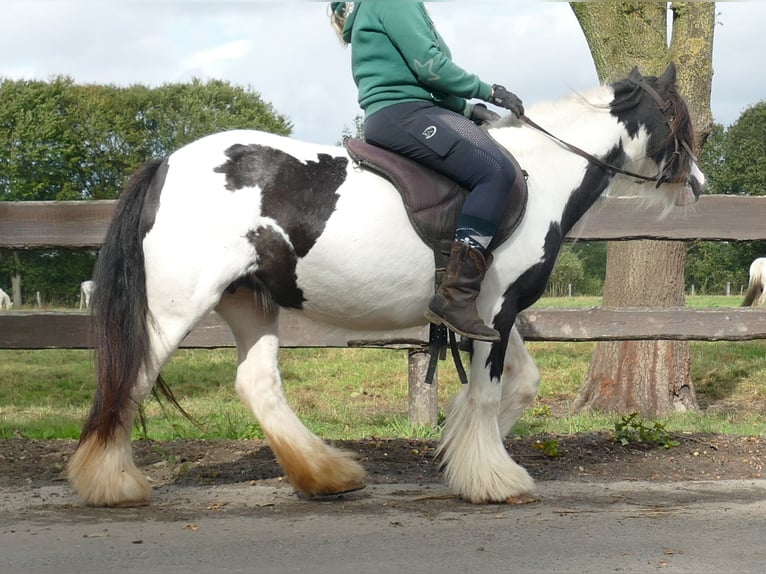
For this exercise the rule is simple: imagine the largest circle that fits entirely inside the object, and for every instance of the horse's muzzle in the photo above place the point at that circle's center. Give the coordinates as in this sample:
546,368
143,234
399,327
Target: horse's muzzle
686,196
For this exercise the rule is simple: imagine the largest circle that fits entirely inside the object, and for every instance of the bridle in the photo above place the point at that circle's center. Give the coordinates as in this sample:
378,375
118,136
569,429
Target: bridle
665,107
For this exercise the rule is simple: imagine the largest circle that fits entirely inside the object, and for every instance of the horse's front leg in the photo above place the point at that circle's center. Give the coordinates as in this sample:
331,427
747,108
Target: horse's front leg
312,466
475,462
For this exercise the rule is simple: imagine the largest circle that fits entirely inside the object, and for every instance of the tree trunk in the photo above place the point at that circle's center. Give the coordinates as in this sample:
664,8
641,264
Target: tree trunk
16,289
649,377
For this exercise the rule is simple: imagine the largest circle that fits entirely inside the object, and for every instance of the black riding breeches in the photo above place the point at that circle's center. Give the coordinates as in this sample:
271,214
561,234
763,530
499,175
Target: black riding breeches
451,144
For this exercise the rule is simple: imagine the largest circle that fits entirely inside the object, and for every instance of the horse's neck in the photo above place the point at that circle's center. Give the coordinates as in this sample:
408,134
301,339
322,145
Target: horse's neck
582,120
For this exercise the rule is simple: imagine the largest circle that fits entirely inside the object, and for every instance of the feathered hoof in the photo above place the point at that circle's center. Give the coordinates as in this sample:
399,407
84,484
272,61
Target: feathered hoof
511,485
326,471
105,475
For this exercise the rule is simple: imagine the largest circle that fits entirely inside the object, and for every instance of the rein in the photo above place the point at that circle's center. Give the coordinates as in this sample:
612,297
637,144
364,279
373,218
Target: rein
591,158
664,106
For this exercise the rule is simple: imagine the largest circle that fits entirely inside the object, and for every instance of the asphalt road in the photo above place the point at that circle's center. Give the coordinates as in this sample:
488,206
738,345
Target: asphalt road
700,527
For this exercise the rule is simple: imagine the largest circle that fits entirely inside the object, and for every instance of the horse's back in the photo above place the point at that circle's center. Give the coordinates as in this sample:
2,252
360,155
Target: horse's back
216,144
758,266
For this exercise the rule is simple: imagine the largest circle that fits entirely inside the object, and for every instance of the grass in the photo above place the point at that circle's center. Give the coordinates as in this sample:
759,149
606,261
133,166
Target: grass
360,393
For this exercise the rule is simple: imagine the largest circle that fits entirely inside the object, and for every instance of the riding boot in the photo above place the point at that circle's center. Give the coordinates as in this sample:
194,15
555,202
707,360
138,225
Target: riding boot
454,303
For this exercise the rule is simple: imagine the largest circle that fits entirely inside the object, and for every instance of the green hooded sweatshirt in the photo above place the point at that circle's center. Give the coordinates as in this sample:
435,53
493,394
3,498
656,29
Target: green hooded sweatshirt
398,56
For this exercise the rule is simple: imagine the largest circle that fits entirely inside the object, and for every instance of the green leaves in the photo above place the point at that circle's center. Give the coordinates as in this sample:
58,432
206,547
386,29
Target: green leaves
744,169
630,429
62,141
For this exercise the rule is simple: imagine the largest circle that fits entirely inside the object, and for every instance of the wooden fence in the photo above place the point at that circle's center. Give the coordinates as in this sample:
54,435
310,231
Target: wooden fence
38,225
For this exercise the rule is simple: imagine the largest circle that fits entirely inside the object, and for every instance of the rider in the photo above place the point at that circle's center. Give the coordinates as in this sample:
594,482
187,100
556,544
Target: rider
415,102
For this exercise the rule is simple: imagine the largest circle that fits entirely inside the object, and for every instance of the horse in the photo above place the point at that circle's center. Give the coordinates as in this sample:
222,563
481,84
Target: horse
5,300
246,223
86,290
756,286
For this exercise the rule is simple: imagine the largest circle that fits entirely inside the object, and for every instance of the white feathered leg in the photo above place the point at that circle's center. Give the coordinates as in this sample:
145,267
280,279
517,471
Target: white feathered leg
475,462
521,379
312,466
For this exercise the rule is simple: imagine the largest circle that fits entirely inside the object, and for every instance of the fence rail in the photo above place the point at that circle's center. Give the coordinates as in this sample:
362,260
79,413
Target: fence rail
83,224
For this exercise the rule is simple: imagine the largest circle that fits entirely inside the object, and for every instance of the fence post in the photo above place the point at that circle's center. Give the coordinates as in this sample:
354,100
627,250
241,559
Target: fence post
423,398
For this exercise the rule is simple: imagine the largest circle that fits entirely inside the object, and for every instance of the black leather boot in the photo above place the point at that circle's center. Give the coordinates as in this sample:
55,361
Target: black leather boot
454,303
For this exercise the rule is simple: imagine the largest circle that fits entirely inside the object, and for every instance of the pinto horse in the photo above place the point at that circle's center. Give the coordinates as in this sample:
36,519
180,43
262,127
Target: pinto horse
247,223
756,286
5,300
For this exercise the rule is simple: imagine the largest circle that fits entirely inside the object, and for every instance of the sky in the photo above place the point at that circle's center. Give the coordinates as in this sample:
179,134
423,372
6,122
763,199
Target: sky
286,51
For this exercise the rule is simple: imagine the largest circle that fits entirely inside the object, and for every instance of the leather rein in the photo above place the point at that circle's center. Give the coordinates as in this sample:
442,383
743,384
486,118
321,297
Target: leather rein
664,106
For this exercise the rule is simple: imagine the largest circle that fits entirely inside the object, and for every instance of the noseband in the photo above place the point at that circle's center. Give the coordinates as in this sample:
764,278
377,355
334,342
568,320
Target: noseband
665,107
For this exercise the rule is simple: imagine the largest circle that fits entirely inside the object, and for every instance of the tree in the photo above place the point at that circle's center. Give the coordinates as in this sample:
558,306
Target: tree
357,132
734,162
568,270
744,151
649,377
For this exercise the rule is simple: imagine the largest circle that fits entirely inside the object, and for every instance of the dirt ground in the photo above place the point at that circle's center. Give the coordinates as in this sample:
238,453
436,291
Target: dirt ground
580,457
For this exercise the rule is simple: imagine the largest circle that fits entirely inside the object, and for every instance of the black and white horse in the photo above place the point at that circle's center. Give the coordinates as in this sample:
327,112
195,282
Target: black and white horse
756,285
246,223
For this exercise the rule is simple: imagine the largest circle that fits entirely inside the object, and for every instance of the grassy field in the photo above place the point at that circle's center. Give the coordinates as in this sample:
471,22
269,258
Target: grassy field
359,393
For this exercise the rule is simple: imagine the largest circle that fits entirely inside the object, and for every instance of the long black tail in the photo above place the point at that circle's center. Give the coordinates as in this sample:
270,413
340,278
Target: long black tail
119,302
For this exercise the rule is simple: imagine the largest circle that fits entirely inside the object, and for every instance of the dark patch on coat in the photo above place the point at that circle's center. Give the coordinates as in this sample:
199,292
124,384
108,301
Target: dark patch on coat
276,263
530,285
152,198
299,196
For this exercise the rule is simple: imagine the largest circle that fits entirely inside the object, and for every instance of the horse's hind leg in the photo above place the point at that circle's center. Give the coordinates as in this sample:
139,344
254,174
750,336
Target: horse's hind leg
102,469
313,467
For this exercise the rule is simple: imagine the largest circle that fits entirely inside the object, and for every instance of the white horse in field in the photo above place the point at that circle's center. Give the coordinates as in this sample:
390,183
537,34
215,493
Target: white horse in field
756,287
5,300
86,290
247,223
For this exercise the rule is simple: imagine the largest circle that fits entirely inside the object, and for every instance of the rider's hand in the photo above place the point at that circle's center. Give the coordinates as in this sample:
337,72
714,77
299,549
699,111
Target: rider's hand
481,115
508,100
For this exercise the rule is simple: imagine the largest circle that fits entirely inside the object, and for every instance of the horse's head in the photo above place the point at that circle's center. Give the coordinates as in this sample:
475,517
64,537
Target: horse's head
652,106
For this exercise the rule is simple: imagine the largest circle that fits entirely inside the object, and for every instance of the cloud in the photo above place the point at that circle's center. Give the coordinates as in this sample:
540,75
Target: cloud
287,52
212,61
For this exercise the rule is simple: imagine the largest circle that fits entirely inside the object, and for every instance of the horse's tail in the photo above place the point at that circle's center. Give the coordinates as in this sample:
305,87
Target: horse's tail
119,305
754,288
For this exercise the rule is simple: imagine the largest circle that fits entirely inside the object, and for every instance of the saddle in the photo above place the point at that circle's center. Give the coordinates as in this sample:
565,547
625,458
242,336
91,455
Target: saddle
433,203
432,200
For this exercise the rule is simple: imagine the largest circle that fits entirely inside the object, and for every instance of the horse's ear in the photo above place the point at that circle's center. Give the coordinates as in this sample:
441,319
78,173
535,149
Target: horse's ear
668,77
635,75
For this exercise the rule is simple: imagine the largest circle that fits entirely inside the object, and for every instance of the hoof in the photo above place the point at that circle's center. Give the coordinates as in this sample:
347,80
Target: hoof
522,499
331,494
